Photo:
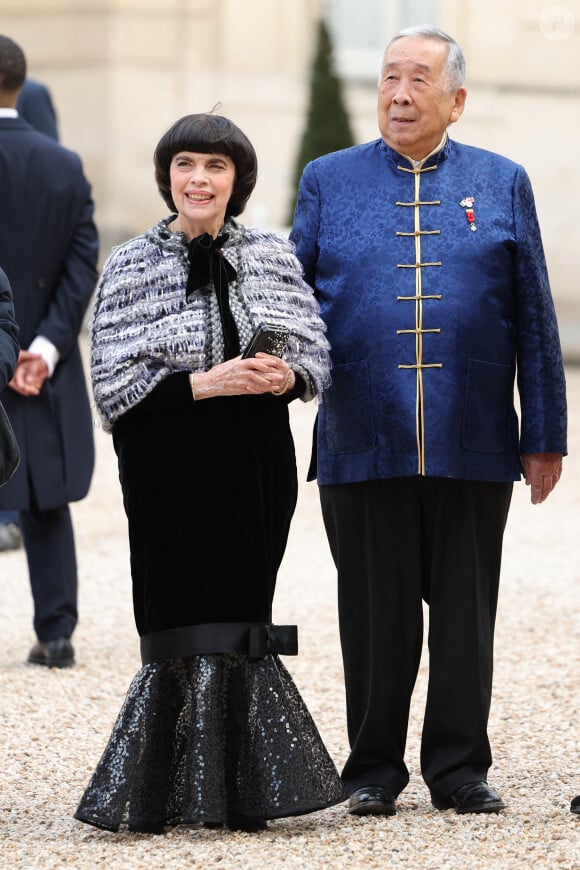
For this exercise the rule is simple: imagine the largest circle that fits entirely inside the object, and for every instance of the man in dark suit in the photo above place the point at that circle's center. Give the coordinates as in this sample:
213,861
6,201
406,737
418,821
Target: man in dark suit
35,105
49,250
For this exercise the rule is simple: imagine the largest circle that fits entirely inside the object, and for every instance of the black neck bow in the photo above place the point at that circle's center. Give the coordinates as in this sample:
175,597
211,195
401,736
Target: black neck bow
208,269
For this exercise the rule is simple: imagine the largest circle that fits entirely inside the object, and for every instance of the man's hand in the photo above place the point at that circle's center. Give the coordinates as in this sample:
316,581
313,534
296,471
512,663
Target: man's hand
542,472
31,373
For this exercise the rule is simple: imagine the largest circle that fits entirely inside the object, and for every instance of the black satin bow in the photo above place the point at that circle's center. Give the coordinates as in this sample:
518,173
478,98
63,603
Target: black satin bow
208,268
264,639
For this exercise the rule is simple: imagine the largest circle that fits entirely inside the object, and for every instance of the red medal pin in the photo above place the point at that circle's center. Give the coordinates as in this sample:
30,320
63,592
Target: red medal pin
467,204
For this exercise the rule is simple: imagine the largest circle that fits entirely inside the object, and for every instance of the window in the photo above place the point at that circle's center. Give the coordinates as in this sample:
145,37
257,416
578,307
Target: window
361,29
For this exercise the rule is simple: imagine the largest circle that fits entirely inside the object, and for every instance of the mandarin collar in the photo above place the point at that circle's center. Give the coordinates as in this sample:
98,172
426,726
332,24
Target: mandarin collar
395,158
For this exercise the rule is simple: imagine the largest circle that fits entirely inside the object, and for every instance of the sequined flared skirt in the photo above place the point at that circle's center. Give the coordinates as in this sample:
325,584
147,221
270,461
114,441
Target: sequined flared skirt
202,738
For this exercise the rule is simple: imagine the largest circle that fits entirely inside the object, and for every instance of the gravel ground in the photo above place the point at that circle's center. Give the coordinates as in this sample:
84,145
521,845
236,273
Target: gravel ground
54,724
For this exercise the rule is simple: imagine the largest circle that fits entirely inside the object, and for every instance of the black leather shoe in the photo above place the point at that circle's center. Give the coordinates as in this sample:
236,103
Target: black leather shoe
473,797
376,800
575,805
57,653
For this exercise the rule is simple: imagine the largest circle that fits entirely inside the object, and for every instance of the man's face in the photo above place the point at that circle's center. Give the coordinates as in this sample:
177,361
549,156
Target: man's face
414,106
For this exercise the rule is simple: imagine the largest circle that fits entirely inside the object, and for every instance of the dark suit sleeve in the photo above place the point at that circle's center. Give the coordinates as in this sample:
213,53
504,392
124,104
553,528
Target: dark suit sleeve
70,298
9,346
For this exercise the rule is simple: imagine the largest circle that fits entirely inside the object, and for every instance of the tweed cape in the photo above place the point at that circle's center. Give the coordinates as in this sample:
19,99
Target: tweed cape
143,328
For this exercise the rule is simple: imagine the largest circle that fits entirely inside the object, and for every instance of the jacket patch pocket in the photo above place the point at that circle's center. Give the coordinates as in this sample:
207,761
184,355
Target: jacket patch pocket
488,405
348,423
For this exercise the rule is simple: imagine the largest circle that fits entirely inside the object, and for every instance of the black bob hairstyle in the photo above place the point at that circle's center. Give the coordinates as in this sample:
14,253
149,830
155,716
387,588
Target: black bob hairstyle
206,133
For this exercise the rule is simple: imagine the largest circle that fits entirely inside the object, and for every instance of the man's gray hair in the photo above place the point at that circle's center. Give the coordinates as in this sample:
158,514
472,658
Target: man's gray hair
454,66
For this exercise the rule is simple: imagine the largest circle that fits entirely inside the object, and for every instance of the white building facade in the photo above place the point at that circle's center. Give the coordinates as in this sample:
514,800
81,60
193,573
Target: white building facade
121,71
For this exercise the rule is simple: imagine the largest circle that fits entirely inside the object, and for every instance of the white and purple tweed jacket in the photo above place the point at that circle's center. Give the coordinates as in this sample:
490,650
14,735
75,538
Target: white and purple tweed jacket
143,328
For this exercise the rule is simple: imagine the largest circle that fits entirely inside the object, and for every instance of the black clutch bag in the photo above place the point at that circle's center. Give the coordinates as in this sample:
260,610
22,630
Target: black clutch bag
267,339
9,452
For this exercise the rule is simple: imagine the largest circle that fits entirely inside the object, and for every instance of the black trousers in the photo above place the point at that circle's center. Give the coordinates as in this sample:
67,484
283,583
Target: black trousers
396,544
52,566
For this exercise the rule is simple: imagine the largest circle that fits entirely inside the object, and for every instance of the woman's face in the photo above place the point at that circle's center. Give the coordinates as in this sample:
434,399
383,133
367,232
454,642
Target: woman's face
201,186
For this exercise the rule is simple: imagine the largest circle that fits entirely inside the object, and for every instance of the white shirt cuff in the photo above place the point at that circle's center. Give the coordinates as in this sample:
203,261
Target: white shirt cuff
47,351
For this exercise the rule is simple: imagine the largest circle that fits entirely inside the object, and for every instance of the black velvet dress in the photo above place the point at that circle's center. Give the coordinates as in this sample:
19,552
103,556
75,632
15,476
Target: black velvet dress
213,727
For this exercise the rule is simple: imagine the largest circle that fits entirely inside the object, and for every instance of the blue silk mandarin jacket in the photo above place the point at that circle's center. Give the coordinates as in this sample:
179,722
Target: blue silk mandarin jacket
434,288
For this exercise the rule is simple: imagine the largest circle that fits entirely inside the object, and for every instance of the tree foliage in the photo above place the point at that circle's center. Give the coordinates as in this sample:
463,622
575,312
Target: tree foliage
327,123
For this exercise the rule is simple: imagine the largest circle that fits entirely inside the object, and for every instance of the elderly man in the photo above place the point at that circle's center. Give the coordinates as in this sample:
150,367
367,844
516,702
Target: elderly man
427,260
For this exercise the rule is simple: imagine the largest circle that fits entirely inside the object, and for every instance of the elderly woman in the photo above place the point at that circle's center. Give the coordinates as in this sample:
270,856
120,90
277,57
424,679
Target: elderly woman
213,729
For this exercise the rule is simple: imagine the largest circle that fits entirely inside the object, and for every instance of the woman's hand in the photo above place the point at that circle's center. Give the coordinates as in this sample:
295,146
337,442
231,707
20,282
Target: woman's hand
259,374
